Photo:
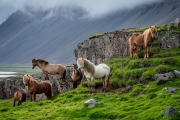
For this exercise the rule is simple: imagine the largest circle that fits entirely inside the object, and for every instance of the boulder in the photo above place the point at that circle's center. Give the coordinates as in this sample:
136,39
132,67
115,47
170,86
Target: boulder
170,90
160,78
91,102
177,73
170,111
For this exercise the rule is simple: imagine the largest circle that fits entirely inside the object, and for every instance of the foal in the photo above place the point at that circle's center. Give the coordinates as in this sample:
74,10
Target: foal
19,95
77,76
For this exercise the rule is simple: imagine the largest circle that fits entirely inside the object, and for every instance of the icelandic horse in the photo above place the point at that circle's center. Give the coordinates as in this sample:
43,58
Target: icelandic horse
142,40
92,71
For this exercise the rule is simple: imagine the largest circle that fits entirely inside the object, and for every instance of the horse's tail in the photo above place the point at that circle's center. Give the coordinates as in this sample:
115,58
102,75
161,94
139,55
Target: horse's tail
23,98
48,92
50,97
64,74
108,83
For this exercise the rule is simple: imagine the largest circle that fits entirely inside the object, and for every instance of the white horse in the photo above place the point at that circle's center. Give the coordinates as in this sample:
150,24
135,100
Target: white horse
91,72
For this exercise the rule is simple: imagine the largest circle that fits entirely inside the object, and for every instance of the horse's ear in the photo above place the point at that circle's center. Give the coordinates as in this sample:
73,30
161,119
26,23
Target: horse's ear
150,27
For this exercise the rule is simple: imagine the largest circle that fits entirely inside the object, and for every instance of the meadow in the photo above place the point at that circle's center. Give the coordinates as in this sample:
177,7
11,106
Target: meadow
134,95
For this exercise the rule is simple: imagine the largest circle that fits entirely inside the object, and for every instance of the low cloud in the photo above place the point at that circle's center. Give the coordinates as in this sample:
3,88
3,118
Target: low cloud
94,8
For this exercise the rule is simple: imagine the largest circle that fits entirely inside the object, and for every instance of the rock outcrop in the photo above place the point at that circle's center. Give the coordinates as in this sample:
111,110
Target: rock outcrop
115,44
57,85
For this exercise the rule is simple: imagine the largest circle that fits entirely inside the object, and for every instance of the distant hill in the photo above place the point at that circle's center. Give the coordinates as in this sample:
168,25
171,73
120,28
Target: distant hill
35,34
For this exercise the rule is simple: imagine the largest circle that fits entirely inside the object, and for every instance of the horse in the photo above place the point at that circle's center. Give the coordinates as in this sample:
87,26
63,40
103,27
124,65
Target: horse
92,71
34,87
49,68
19,95
76,76
142,40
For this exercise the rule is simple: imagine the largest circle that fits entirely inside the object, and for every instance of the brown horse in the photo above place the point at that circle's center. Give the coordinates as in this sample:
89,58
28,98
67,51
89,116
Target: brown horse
77,76
146,39
34,87
49,68
19,95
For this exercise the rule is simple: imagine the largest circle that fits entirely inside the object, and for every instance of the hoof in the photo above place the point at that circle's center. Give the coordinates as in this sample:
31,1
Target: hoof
103,90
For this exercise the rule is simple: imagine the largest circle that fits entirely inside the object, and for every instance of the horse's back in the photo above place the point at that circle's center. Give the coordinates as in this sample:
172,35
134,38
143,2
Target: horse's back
137,39
101,70
42,87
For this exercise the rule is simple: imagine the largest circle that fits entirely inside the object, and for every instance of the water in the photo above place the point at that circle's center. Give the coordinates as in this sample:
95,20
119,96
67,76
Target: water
7,74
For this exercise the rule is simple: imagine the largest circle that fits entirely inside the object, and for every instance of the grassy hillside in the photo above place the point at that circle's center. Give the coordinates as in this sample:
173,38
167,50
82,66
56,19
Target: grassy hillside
134,95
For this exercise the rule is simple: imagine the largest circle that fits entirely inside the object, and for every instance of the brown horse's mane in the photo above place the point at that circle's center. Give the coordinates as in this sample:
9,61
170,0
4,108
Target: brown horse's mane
41,60
89,66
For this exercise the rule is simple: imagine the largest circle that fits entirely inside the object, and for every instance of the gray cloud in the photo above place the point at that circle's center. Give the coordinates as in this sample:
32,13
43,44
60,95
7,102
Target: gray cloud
94,8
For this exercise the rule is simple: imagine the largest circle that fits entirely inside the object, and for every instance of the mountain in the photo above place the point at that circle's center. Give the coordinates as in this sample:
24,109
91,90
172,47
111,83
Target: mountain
54,34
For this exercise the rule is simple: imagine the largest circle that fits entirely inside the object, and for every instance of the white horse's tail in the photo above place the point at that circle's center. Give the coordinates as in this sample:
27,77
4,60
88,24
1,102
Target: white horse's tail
108,83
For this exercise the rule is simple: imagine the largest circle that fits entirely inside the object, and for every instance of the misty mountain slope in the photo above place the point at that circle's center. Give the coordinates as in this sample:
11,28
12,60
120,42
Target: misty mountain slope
30,34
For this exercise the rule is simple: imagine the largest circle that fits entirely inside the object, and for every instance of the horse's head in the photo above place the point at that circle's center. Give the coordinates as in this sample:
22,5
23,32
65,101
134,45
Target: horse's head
26,79
153,32
80,63
34,63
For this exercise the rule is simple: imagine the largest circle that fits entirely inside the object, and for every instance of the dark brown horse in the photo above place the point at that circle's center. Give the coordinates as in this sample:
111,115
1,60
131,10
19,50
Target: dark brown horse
49,68
19,95
34,87
142,40
77,76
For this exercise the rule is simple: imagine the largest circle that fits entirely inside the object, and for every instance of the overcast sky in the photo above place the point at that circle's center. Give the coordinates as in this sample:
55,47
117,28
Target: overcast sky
93,7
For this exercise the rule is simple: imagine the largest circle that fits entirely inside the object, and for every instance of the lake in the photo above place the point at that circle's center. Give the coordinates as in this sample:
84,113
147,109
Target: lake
14,71
8,74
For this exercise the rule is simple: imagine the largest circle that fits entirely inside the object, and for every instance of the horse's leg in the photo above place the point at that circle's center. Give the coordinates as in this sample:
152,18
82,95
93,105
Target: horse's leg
19,102
89,85
135,51
34,94
93,85
31,97
148,50
46,76
14,103
131,51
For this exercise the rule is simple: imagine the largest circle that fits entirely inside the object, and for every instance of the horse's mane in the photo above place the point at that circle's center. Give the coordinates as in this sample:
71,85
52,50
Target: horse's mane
41,60
147,31
89,66
29,77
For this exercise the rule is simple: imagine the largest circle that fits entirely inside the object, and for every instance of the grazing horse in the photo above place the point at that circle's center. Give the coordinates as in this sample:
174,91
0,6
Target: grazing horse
20,95
34,87
146,39
49,68
91,72
76,76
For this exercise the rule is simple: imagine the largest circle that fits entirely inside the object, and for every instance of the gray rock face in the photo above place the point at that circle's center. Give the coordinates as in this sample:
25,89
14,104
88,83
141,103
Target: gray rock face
170,111
115,44
160,78
57,85
170,41
177,73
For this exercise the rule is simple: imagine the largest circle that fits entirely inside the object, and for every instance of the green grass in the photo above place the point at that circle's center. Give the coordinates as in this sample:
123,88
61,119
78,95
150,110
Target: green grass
145,100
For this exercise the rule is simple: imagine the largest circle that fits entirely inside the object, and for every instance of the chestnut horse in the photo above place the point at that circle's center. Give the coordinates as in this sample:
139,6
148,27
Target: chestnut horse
146,39
34,87
77,76
49,68
19,95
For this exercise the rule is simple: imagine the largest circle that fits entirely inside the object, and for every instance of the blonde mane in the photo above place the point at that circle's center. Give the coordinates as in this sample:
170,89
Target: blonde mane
89,66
